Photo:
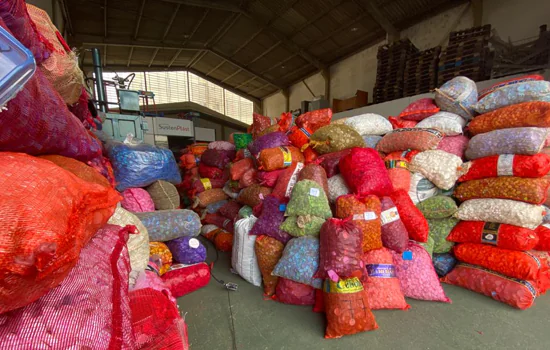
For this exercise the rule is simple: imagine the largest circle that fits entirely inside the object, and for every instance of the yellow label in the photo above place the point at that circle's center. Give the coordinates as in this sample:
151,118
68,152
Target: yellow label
207,184
287,156
344,286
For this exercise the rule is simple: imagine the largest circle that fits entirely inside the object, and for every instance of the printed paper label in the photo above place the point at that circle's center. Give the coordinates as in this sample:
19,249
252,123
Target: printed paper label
343,286
194,243
381,270
397,164
206,184
489,234
368,215
306,132
293,179
287,156
247,153
314,192
390,215
505,165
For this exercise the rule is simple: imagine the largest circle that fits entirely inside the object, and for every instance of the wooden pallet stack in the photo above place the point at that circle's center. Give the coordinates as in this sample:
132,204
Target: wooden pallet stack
467,54
421,72
392,59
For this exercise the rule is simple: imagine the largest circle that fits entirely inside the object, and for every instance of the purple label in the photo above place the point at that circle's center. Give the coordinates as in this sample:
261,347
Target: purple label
381,270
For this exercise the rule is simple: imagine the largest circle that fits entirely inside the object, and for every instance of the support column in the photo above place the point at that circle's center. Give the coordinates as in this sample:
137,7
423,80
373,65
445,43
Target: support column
326,75
287,99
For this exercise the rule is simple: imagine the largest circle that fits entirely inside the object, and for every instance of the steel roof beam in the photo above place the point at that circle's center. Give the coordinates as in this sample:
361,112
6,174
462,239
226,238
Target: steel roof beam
214,5
140,16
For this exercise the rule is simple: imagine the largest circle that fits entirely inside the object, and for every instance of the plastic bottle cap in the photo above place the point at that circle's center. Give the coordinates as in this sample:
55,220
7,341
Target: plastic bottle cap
194,243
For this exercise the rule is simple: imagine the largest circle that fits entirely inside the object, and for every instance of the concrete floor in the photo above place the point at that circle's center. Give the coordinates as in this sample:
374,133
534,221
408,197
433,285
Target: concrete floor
472,321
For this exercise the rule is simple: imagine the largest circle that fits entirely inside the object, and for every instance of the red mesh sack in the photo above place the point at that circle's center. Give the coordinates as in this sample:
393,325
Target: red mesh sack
526,114
315,173
189,161
319,305
285,121
208,197
365,213
220,221
287,180
230,210
315,119
398,171
534,166
248,178
271,217
399,123
62,318
543,233
217,158
156,321
253,195
501,235
381,283
394,233
340,250
81,110
299,137
330,162
505,187
410,138
365,172
522,79
269,178
49,215
83,171
222,240
516,293
237,169
511,263
279,157
454,144
294,293
310,155
259,123
347,308
413,219
184,279
268,252
211,172
15,16
420,109
205,184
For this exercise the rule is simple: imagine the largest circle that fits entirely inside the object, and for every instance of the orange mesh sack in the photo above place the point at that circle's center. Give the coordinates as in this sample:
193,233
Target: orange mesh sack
299,137
268,252
210,196
49,214
315,119
507,187
253,195
83,171
518,165
365,212
410,138
398,171
160,250
279,157
347,308
222,240
61,68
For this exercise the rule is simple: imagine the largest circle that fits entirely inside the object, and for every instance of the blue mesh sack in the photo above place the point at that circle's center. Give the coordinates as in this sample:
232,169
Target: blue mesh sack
300,261
457,96
443,263
514,94
187,250
166,225
141,165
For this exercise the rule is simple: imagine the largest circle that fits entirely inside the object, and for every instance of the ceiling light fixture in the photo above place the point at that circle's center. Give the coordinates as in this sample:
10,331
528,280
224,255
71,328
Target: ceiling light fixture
354,29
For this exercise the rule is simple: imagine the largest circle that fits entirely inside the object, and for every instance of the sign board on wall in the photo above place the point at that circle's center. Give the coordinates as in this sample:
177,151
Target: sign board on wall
173,127
204,134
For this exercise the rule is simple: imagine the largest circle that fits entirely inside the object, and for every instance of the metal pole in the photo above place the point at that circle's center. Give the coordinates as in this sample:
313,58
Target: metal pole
98,71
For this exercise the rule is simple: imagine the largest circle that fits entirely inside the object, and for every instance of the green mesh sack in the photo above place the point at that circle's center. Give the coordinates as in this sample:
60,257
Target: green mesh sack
437,207
428,245
298,226
439,230
242,140
308,198
245,212
334,138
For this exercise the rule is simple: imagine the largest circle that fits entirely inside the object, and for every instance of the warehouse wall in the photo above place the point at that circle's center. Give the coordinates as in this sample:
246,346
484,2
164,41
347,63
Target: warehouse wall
514,19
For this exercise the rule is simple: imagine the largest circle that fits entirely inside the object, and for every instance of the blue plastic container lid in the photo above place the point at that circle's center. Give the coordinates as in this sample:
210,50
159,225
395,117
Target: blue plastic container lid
17,66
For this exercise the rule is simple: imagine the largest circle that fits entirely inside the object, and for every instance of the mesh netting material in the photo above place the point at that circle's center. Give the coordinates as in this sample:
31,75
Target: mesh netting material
330,162
394,234
259,123
437,207
508,187
524,141
270,220
184,279
314,120
230,210
454,144
137,200
253,195
41,240
164,195
268,251
205,184
419,110
279,157
514,94
222,240
141,165
410,138
448,123
294,293
298,226
334,138
501,235
533,166
220,221
203,199
241,140
211,172
308,198
237,169
365,213
458,95
439,231
269,178
369,124
365,172
78,313
217,158
337,187
398,171
165,225
440,167
411,216
443,263
503,211
543,234
299,137
187,250
271,140
222,146
300,261
61,68
83,171
315,173
161,252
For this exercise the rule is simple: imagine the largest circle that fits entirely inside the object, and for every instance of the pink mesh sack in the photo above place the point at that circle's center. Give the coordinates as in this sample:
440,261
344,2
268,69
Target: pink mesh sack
137,200
80,314
184,279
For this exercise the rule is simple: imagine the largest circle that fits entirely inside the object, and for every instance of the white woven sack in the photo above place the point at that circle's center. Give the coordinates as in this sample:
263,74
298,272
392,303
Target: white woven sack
440,167
421,188
369,124
243,259
504,211
337,187
449,123
138,244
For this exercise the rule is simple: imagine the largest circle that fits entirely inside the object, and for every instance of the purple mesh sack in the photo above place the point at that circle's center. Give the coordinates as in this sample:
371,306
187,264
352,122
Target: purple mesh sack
217,158
187,250
88,310
137,200
273,214
526,141
271,140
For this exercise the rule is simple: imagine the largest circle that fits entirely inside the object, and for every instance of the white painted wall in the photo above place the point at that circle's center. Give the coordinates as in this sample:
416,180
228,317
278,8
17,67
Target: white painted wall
517,19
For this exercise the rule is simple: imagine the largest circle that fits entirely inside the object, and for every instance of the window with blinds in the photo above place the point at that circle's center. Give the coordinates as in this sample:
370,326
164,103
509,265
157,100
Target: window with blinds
182,86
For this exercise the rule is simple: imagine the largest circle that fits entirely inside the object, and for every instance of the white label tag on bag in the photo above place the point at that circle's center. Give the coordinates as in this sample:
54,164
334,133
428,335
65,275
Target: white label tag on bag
194,243
367,216
505,165
314,192
293,179
390,215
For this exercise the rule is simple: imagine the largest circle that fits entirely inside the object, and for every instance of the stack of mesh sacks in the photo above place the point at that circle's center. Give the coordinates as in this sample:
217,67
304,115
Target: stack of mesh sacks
501,195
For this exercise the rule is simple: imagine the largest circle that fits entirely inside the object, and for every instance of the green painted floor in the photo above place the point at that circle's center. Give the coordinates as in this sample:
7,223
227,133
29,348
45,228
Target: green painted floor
472,321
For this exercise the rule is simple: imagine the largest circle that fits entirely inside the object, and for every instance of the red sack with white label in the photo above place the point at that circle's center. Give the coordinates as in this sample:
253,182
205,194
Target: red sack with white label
394,233
533,166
